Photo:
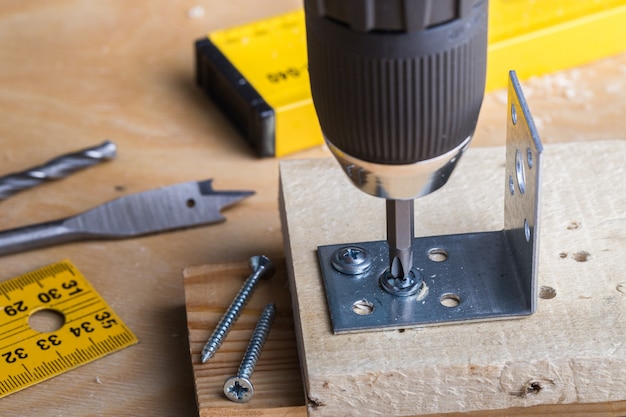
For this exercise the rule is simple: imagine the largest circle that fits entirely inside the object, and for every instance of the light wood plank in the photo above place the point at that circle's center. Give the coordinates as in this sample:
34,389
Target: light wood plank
571,351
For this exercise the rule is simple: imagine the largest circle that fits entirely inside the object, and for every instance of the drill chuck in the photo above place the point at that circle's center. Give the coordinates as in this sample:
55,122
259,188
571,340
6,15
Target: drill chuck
397,86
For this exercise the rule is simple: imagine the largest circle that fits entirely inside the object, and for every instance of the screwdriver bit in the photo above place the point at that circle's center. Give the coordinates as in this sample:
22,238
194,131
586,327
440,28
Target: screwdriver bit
57,168
400,229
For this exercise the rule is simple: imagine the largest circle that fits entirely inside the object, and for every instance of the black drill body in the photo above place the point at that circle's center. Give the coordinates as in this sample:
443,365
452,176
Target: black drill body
397,83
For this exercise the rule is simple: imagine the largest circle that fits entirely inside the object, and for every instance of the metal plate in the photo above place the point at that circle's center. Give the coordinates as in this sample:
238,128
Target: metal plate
467,277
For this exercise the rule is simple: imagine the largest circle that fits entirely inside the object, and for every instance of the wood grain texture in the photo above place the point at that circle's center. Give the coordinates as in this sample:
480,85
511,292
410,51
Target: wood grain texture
74,72
276,379
571,351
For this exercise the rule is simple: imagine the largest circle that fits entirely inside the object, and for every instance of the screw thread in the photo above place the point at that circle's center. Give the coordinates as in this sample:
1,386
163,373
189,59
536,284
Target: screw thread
56,168
255,346
236,306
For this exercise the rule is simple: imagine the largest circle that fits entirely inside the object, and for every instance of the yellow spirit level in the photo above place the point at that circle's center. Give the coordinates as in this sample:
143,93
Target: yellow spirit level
258,74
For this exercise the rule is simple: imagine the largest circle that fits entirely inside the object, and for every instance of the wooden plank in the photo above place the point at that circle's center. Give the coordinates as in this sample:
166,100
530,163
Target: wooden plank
572,351
209,290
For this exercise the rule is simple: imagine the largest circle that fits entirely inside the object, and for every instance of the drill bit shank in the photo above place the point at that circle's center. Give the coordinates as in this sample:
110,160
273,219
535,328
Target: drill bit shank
56,168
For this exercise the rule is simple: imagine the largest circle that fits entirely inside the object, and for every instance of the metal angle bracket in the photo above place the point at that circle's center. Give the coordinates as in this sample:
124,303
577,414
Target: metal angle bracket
467,277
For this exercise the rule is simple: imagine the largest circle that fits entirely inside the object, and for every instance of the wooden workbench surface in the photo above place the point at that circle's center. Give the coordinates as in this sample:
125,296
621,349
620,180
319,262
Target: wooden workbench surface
73,73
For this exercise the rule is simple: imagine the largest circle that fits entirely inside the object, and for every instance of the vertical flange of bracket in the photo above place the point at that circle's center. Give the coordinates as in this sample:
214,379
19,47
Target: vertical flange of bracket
468,277
522,195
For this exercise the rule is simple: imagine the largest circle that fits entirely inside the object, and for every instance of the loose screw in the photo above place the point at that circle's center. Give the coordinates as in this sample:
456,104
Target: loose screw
239,388
261,267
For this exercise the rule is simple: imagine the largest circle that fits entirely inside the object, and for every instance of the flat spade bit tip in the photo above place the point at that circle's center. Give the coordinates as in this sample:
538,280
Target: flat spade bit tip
223,199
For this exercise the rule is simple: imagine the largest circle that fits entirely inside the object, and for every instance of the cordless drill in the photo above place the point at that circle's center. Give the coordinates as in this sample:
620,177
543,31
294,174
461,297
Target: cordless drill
397,86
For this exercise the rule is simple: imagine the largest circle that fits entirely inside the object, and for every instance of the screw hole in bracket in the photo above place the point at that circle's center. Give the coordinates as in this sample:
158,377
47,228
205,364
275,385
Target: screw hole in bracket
363,307
438,255
191,203
513,114
450,300
520,172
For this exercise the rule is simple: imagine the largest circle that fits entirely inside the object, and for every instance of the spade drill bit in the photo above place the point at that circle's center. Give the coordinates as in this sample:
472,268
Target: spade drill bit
56,168
178,206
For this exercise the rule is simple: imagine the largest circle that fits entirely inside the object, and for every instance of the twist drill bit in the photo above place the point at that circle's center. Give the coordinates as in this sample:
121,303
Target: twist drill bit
178,206
57,168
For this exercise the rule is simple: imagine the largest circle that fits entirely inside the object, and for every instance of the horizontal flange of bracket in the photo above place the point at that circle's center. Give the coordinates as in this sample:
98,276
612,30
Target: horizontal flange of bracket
467,277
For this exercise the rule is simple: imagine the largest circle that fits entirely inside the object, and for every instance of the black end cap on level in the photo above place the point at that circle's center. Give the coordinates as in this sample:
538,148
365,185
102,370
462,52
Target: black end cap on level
237,98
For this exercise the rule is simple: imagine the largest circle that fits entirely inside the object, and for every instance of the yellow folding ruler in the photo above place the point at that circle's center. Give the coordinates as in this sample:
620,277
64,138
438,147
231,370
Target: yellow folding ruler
85,330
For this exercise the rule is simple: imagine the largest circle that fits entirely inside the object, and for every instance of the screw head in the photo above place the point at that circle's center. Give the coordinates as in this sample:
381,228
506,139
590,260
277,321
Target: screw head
238,389
263,265
351,260
403,287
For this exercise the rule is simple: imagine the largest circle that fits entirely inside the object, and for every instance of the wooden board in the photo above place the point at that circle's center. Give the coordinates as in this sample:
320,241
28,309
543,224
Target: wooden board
571,351
276,379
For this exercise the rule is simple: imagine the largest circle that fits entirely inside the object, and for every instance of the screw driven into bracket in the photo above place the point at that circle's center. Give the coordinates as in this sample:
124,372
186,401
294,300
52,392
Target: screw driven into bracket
351,260
261,267
239,388
403,286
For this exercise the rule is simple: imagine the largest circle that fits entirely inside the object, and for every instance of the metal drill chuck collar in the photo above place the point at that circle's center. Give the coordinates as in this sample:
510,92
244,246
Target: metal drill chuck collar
399,182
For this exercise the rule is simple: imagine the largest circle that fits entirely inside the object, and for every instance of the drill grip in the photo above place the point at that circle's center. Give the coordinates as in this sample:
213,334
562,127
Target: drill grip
397,81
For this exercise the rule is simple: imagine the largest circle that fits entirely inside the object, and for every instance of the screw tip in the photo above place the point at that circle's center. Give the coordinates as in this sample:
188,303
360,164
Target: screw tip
206,356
